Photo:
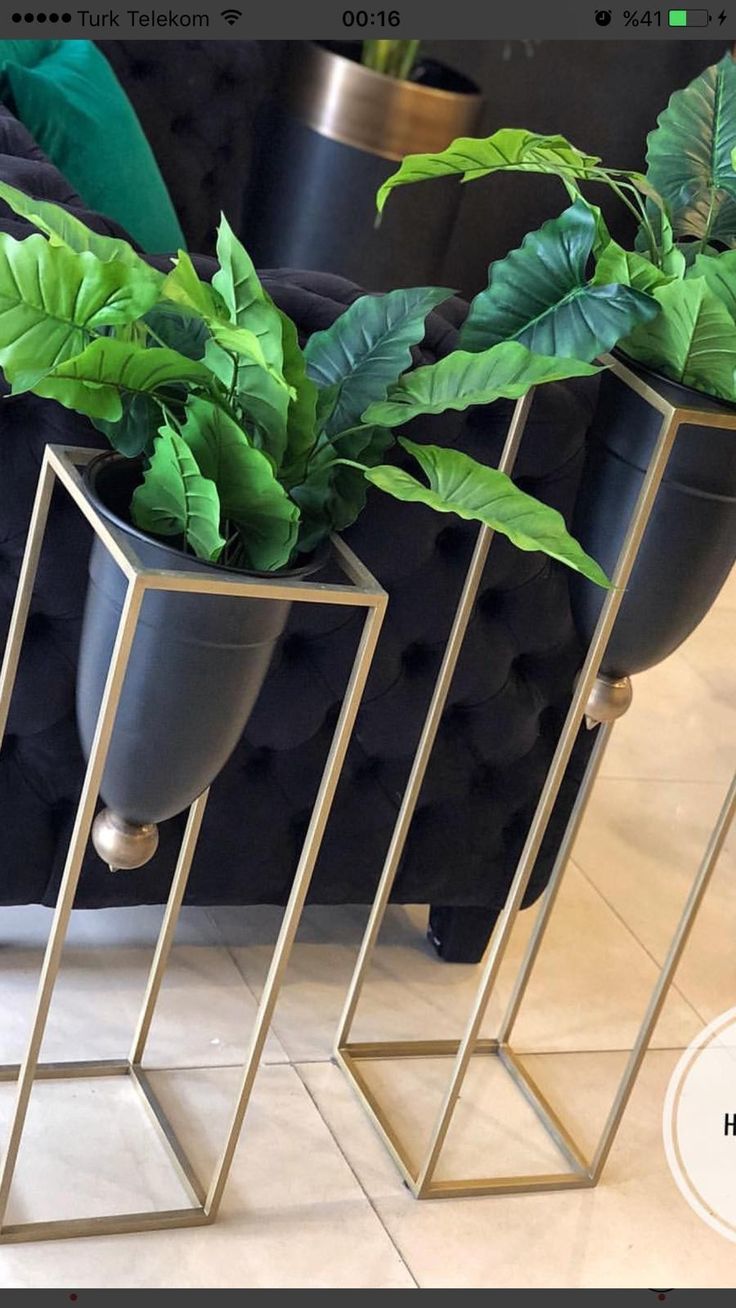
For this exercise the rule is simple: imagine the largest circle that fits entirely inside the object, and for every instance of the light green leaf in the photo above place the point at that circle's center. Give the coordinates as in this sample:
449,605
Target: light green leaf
247,303
368,347
459,484
97,381
184,287
63,228
693,340
54,300
511,149
690,155
176,500
719,273
628,268
249,493
540,295
506,371
264,402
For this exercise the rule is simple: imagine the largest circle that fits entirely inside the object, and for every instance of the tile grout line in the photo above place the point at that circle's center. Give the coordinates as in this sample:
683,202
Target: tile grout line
349,1165
674,989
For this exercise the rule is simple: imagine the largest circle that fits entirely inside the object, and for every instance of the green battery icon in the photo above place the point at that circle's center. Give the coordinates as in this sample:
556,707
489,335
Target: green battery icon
689,17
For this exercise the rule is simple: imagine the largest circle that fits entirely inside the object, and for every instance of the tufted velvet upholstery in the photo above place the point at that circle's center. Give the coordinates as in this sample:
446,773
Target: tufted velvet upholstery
197,103
498,733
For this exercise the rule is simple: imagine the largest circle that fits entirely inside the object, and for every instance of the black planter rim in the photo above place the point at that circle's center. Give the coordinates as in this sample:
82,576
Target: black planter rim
90,474
644,371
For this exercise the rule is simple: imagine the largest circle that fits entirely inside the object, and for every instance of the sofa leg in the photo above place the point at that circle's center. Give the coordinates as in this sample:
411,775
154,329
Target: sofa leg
460,935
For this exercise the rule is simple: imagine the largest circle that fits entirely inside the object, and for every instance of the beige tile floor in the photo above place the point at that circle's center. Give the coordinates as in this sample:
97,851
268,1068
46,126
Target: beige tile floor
314,1200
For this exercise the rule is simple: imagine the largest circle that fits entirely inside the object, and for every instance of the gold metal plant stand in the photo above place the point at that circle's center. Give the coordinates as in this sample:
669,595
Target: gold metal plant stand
602,701
361,590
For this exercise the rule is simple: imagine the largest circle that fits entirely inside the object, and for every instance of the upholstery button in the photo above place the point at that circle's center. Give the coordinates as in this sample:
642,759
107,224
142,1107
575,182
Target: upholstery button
416,657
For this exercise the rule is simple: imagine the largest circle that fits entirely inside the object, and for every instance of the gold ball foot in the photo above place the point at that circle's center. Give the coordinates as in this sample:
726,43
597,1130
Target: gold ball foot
609,699
123,845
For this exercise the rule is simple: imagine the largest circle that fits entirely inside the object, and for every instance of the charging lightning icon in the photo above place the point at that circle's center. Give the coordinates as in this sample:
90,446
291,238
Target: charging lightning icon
722,17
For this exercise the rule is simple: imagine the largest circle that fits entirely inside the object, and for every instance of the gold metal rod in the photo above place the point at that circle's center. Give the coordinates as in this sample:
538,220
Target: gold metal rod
73,1228
168,926
380,1118
24,593
187,1174
669,967
72,869
115,543
69,1071
553,781
553,885
377,1050
297,592
547,1115
300,887
471,1185
432,721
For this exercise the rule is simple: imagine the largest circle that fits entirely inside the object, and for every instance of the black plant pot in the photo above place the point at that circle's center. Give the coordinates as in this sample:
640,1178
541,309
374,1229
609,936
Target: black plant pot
337,133
195,669
689,545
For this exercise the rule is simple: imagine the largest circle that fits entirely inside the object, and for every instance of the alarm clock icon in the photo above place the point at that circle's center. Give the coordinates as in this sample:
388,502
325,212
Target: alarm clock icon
603,17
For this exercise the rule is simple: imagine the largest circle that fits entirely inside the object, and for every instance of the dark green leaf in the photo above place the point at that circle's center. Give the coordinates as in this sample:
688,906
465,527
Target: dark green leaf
368,347
511,149
332,498
249,493
176,500
301,422
458,484
506,371
540,295
690,155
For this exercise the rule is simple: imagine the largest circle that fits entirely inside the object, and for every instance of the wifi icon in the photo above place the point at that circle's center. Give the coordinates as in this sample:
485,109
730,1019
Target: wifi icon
231,16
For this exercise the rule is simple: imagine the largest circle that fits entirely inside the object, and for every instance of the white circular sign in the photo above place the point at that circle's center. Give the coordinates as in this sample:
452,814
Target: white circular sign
700,1124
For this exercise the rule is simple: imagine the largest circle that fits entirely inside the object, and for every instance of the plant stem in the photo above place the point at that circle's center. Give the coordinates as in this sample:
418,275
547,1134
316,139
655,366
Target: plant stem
392,58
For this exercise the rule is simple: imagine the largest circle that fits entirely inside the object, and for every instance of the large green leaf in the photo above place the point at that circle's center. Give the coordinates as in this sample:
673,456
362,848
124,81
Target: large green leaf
332,497
174,498
506,371
54,300
63,228
368,347
185,288
264,402
690,155
247,303
459,484
301,422
693,340
540,295
615,264
719,273
510,149
97,381
249,493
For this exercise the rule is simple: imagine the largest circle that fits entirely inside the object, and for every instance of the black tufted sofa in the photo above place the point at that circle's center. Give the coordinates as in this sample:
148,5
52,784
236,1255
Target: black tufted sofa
497,737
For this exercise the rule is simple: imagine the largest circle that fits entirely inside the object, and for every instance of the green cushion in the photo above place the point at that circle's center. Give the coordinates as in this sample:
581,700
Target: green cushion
68,97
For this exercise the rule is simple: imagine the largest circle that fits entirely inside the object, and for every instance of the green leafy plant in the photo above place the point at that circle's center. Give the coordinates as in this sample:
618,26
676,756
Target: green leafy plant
392,58
561,293
252,449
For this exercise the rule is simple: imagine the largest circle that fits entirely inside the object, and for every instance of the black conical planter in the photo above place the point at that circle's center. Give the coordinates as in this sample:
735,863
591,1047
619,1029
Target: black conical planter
689,545
194,673
336,133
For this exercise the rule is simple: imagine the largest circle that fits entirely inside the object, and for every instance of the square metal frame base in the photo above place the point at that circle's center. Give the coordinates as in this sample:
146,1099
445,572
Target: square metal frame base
350,1057
119,1223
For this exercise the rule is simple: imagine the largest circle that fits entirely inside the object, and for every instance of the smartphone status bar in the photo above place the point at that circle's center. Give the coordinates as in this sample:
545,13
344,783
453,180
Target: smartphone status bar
353,20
